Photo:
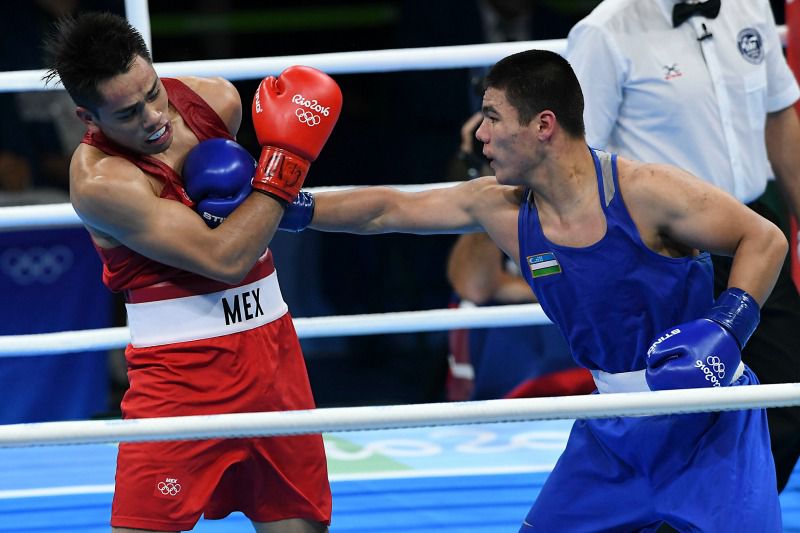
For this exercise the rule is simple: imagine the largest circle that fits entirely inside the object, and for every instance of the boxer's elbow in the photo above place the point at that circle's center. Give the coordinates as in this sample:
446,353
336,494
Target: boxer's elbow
227,275
232,277
775,243
229,266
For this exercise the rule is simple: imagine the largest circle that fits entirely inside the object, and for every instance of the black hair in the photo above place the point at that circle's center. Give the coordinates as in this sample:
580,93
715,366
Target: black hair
536,80
87,50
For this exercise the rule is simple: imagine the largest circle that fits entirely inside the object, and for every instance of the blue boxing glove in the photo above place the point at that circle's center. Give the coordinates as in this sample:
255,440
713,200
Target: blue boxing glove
217,175
705,352
299,213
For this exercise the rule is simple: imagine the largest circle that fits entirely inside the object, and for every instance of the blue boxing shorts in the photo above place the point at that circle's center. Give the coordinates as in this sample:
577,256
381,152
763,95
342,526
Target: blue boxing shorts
697,472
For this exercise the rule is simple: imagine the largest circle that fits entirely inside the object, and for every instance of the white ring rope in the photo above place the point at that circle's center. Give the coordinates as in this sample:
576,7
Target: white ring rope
326,326
38,216
362,62
400,416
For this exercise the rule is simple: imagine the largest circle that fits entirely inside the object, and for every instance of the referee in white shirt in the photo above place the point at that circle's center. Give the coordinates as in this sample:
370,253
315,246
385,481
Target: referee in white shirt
705,87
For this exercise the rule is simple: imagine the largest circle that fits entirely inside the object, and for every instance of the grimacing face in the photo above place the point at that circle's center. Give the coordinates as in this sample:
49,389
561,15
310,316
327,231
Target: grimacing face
134,110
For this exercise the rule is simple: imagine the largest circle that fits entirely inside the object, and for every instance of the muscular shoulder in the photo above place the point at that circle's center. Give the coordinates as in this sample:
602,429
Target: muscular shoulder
647,183
641,183
88,163
656,194
221,96
496,208
485,195
103,187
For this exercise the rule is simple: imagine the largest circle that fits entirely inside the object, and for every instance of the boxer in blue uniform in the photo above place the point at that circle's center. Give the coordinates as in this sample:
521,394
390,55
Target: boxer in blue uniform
612,249
657,468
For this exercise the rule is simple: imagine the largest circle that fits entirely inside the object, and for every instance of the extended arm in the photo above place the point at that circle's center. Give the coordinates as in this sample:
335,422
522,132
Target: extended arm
477,205
370,210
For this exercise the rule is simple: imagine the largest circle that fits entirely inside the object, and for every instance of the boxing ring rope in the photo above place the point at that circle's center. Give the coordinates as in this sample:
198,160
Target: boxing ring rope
361,62
314,327
399,416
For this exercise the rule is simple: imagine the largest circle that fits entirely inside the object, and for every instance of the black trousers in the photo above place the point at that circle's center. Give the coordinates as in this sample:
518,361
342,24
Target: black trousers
773,353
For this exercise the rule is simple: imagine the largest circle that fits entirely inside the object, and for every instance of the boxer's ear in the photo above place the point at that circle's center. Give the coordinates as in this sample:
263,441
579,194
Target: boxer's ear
88,118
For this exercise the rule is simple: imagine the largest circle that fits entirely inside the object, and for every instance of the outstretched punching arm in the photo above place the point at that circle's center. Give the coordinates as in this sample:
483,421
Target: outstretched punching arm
371,210
477,205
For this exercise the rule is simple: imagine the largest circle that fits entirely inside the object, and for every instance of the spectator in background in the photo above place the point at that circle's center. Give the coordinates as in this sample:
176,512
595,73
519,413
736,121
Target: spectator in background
705,92
499,362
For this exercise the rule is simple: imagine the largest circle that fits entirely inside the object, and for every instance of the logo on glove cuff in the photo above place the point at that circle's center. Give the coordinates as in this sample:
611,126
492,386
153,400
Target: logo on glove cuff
717,367
306,117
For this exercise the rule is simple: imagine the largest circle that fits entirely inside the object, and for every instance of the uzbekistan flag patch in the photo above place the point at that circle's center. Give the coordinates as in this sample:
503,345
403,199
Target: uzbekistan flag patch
543,265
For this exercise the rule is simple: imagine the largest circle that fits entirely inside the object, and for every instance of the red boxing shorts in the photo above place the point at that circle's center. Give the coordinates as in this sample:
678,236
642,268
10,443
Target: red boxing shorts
169,485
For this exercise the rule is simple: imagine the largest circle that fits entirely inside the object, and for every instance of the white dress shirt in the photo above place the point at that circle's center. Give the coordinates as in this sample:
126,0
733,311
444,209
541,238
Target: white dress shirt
661,94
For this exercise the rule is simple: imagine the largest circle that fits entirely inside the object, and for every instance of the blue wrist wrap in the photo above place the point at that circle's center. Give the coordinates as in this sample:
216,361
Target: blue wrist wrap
736,311
299,213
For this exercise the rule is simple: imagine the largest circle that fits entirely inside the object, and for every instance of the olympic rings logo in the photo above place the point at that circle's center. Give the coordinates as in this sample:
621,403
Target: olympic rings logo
717,365
307,117
169,489
36,264
313,105
708,374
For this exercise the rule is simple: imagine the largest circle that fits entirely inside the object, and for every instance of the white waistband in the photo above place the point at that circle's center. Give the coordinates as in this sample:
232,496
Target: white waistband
607,382
633,381
207,315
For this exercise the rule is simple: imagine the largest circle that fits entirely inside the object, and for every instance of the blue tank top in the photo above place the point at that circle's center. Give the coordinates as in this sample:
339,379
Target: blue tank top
612,298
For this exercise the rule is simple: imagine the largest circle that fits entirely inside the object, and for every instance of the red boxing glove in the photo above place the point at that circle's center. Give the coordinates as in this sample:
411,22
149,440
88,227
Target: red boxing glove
293,116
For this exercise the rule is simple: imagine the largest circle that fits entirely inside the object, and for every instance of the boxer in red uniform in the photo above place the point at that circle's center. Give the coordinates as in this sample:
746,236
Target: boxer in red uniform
210,332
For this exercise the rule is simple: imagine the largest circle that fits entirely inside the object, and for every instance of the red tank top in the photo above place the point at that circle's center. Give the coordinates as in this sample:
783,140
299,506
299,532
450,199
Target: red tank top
124,269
